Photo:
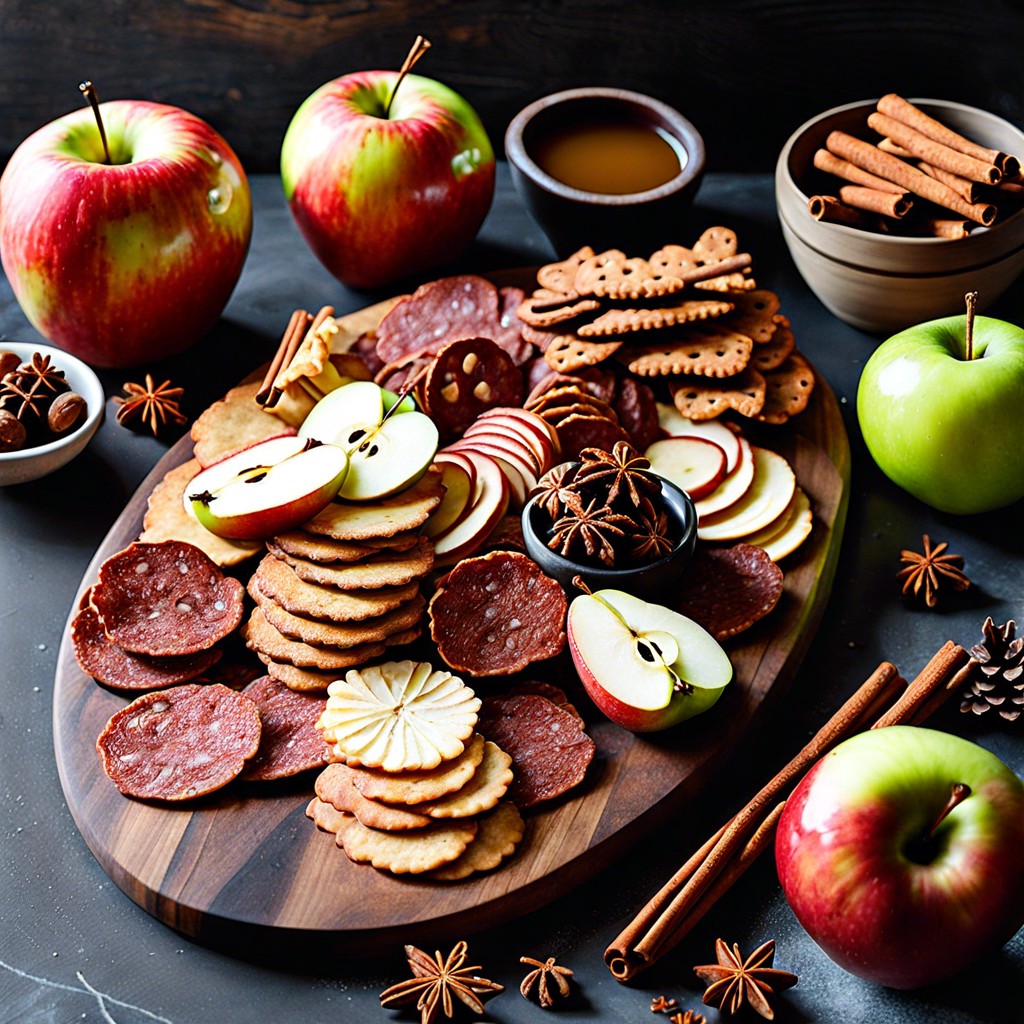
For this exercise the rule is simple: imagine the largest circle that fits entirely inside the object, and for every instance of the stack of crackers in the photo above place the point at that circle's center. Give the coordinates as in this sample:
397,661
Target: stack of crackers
692,319
345,587
415,789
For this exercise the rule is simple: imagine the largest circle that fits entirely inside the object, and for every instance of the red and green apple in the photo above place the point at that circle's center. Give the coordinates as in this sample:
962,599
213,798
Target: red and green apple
131,259
942,416
384,180
645,666
900,854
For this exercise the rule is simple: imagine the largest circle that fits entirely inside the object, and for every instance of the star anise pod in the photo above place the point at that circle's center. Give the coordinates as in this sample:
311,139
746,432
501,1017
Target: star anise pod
154,406
663,1005
931,570
550,488
539,976
593,526
33,402
650,539
623,468
733,981
687,1017
436,980
41,375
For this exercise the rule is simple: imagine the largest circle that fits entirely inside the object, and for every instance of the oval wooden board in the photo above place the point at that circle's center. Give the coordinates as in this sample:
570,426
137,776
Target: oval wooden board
244,868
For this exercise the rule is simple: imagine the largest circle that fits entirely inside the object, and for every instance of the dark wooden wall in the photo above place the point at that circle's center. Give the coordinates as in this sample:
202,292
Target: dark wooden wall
745,72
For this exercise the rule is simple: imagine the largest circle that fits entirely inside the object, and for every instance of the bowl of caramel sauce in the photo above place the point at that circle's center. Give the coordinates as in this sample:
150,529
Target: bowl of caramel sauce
605,168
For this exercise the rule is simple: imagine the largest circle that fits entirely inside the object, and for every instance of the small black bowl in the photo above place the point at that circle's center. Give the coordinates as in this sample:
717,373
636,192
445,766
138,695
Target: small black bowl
572,217
645,581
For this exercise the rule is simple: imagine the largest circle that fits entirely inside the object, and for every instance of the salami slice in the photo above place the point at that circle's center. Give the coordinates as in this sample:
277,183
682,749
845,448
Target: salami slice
467,378
98,656
289,741
550,751
496,614
180,743
166,599
637,409
728,589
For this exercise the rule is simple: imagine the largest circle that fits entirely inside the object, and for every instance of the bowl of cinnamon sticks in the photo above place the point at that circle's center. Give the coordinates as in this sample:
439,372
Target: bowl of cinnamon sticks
893,209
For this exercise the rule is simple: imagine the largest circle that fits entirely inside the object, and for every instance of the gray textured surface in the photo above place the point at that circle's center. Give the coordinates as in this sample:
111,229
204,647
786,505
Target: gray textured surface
74,948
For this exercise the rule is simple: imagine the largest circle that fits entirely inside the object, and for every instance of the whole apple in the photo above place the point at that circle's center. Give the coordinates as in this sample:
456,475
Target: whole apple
129,261
381,196
945,427
900,853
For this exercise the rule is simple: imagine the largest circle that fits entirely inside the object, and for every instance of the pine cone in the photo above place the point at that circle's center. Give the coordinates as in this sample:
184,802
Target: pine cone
996,677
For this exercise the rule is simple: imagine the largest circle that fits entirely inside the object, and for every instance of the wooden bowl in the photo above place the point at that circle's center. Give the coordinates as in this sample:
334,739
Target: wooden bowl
883,283
638,222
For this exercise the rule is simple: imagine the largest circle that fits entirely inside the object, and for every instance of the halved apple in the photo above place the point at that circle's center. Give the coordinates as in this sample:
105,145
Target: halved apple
268,488
676,425
733,486
644,665
389,444
692,463
766,499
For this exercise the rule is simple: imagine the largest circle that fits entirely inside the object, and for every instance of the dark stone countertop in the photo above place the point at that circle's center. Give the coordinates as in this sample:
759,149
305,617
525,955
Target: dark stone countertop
73,947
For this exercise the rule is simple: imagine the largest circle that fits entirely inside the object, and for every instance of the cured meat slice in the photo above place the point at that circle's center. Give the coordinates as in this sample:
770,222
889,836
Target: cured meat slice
550,751
98,656
496,614
289,741
166,599
180,743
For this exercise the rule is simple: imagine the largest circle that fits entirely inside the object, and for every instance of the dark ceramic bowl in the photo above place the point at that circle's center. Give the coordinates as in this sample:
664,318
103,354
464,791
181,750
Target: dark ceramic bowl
649,581
637,222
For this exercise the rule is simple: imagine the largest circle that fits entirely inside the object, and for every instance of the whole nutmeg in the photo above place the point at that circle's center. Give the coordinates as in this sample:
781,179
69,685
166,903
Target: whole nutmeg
12,431
9,362
66,411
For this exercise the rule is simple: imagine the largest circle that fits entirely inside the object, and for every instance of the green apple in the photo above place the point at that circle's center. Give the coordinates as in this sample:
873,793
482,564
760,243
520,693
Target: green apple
389,444
945,425
900,853
644,665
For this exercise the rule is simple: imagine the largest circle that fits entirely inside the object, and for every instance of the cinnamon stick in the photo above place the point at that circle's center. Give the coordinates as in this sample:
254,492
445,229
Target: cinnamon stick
870,158
943,227
970,191
885,204
830,210
899,109
662,921
712,870
286,350
935,153
706,271
831,164
893,148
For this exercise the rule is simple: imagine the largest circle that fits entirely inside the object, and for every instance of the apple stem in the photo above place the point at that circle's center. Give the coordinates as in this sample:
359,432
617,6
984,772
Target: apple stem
959,792
419,47
971,298
88,90
577,582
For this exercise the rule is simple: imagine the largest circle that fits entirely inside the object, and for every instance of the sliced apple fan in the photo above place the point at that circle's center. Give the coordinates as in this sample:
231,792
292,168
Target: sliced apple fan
399,716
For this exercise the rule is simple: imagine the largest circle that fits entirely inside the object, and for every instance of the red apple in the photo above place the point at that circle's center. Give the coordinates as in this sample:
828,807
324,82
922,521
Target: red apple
381,194
900,853
129,261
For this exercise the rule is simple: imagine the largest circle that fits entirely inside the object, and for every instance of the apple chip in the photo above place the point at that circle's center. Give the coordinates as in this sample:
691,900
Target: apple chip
497,837
399,716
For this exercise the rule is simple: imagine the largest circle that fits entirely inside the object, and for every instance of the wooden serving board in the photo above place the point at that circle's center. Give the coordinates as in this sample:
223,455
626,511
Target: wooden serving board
245,868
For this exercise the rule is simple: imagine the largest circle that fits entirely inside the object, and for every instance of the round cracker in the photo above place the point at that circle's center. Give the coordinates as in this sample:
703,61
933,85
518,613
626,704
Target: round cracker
387,569
335,786
278,580
413,852
265,639
497,837
326,817
233,423
487,786
413,788
326,550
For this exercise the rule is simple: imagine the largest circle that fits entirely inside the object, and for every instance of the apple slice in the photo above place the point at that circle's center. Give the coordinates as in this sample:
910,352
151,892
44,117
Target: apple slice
733,486
514,474
531,421
389,444
692,463
459,486
506,439
789,531
446,455
488,504
676,425
267,489
522,465
765,500
534,437
644,665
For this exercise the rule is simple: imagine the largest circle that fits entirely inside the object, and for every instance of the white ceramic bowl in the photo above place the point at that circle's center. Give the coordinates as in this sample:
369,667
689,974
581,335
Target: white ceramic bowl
32,463
884,283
